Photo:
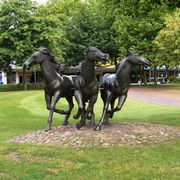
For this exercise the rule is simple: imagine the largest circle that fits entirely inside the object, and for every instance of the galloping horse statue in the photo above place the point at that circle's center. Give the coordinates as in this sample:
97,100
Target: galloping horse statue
116,85
56,85
86,86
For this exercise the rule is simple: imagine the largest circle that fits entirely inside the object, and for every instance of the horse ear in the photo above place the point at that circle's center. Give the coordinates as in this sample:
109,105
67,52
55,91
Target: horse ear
128,53
46,51
88,49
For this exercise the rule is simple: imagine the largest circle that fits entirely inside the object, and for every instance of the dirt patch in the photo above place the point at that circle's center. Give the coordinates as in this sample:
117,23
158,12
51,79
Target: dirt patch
3,175
13,156
117,134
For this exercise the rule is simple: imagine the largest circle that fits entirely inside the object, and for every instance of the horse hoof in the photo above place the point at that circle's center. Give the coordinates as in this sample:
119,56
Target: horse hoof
89,117
109,114
97,128
67,112
75,117
78,125
92,125
47,129
64,123
107,123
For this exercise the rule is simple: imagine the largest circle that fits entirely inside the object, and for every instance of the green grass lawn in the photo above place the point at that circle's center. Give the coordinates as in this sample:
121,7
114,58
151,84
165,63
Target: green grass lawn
25,111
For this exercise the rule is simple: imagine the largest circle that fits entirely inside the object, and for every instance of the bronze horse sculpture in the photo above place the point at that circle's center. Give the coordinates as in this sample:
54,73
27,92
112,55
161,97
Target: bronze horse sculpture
86,86
116,86
56,85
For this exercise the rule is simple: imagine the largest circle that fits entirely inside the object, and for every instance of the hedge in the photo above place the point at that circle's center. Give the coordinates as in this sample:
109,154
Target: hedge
174,79
19,87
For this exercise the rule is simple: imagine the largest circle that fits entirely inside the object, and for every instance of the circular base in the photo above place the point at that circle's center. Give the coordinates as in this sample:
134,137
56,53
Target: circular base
117,134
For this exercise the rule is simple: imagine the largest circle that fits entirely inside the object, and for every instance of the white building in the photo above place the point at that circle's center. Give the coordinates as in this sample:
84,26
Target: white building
16,75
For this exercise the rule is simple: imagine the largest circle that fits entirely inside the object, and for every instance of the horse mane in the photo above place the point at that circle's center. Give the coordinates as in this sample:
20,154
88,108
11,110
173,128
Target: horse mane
52,59
55,64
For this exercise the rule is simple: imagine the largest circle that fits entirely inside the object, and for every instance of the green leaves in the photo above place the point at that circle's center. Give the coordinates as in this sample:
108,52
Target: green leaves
89,25
137,28
24,27
168,40
68,27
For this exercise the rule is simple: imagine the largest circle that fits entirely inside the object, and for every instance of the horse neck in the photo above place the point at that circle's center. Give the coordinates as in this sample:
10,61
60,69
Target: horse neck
88,71
49,72
124,70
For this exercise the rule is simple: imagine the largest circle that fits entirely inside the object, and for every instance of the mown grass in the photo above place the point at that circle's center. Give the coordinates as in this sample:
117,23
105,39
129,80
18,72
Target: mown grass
25,111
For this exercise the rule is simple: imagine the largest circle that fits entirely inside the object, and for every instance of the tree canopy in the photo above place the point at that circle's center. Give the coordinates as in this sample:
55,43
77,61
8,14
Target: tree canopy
68,27
24,27
168,40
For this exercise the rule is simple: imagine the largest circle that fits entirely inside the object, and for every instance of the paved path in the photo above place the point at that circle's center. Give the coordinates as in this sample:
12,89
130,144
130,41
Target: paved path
164,96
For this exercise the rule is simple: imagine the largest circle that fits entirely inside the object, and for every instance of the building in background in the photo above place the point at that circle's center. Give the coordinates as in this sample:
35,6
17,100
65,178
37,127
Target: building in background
35,76
15,76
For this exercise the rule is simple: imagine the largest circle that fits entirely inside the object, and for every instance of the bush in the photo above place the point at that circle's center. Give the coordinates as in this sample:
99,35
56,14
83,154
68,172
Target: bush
174,79
177,80
34,86
19,87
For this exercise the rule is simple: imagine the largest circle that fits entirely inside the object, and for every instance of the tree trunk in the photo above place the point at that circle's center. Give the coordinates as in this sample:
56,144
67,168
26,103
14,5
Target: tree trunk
167,72
35,79
24,80
144,77
115,61
155,76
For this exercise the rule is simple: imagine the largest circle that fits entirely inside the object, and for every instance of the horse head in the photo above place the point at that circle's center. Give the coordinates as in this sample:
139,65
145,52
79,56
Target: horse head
37,57
94,54
134,58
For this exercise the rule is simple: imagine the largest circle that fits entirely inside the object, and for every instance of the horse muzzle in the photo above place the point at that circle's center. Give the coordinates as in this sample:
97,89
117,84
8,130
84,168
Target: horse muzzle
105,58
146,63
26,66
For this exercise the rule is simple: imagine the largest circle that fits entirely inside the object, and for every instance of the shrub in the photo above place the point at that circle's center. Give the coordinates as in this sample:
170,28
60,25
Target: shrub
19,87
34,86
174,79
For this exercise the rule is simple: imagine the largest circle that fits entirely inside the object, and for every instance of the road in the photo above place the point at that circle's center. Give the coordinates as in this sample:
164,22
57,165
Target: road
164,96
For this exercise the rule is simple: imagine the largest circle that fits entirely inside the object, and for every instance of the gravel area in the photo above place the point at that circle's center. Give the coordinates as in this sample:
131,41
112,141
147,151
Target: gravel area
117,134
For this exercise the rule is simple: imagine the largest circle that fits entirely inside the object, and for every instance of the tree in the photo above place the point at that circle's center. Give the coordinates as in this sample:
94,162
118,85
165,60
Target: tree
14,18
24,27
168,40
137,23
89,25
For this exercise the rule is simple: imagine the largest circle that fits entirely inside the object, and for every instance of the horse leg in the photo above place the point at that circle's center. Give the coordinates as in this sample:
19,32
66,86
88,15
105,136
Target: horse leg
121,101
90,110
78,97
78,114
103,97
55,99
109,113
48,99
105,109
71,105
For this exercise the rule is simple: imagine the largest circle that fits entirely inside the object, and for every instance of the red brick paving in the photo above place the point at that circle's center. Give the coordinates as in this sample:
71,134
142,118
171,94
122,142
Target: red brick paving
164,96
